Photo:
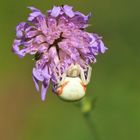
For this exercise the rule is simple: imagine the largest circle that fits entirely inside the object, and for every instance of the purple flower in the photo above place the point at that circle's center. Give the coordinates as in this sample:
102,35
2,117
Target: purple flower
57,39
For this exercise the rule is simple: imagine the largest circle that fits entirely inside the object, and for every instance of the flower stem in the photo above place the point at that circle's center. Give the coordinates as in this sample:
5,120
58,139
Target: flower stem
91,125
86,105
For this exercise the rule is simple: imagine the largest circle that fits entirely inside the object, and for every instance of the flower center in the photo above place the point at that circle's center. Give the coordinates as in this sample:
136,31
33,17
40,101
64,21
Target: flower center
56,43
38,55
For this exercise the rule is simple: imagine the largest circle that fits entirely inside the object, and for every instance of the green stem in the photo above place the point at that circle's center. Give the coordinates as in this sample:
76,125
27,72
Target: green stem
91,125
86,105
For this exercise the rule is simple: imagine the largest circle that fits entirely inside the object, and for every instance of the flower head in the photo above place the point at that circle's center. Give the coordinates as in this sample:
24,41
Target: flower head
57,39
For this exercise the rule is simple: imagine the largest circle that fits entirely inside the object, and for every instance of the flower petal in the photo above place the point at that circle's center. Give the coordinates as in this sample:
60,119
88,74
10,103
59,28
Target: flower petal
20,29
37,73
68,11
55,11
16,49
33,9
44,89
102,47
36,83
53,55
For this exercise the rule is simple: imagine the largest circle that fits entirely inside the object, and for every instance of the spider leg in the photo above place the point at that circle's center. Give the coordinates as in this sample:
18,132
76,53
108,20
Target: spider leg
88,74
63,77
55,71
82,74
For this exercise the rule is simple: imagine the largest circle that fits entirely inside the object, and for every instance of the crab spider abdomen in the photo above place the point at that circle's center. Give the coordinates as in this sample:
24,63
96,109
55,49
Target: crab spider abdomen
71,89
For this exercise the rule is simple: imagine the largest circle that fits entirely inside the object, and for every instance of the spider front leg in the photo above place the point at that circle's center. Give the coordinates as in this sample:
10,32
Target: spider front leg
63,77
89,73
82,74
62,83
59,76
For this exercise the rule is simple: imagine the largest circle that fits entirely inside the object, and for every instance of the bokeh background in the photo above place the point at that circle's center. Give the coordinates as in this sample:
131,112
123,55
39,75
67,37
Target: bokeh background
115,78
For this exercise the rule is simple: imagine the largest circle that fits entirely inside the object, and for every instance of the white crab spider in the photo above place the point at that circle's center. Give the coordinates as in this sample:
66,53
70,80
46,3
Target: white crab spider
72,85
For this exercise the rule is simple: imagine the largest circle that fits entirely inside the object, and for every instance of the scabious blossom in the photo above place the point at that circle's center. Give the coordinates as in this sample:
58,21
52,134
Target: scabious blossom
57,39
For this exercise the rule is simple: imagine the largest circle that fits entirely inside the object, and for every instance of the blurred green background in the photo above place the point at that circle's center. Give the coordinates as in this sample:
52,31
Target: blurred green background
115,78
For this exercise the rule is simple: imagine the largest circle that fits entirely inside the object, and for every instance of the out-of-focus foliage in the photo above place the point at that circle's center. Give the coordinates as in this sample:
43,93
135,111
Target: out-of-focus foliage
115,78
